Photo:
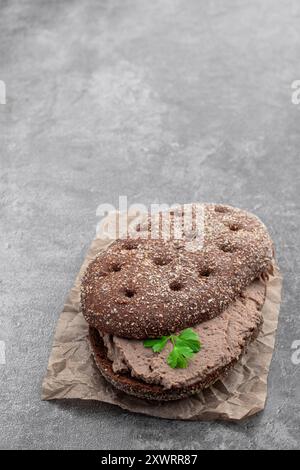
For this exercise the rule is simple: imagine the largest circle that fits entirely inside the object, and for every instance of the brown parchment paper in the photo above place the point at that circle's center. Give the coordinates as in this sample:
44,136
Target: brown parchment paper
71,371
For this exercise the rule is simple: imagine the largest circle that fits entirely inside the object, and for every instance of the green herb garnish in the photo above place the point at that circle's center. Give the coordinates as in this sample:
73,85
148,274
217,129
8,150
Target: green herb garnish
185,345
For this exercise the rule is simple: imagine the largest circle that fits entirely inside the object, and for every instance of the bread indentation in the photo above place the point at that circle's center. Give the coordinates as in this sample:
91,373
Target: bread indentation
129,293
205,272
176,285
227,248
162,260
130,245
115,267
221,209
234,227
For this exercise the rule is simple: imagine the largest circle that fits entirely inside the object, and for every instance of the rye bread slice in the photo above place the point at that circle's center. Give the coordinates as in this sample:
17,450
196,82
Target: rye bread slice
136,387
140,288
140,389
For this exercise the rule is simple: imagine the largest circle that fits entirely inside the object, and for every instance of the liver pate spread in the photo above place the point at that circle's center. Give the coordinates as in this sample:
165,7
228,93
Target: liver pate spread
223,339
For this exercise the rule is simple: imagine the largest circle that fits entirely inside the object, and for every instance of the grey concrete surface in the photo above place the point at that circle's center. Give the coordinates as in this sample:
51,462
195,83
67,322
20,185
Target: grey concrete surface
162,101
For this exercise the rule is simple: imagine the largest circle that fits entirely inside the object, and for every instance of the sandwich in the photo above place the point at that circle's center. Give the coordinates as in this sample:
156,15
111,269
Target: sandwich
168,316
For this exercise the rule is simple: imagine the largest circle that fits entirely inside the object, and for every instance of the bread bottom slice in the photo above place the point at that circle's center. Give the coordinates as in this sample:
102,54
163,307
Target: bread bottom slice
140,389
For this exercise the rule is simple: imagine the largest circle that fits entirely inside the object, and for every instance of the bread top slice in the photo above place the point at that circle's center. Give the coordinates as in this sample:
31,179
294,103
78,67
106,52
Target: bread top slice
142,287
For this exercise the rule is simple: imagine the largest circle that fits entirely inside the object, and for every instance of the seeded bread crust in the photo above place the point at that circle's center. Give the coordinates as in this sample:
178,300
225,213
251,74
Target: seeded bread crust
140,288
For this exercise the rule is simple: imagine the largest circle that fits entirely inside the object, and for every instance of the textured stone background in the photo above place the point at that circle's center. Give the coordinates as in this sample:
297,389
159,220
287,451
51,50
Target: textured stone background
162,101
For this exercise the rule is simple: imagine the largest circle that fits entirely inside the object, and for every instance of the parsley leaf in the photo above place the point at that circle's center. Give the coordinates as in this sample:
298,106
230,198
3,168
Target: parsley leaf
185,345
156,344
174,360
191,339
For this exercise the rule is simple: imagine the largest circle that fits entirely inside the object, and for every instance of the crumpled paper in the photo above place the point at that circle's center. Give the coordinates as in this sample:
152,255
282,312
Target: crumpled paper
72,373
